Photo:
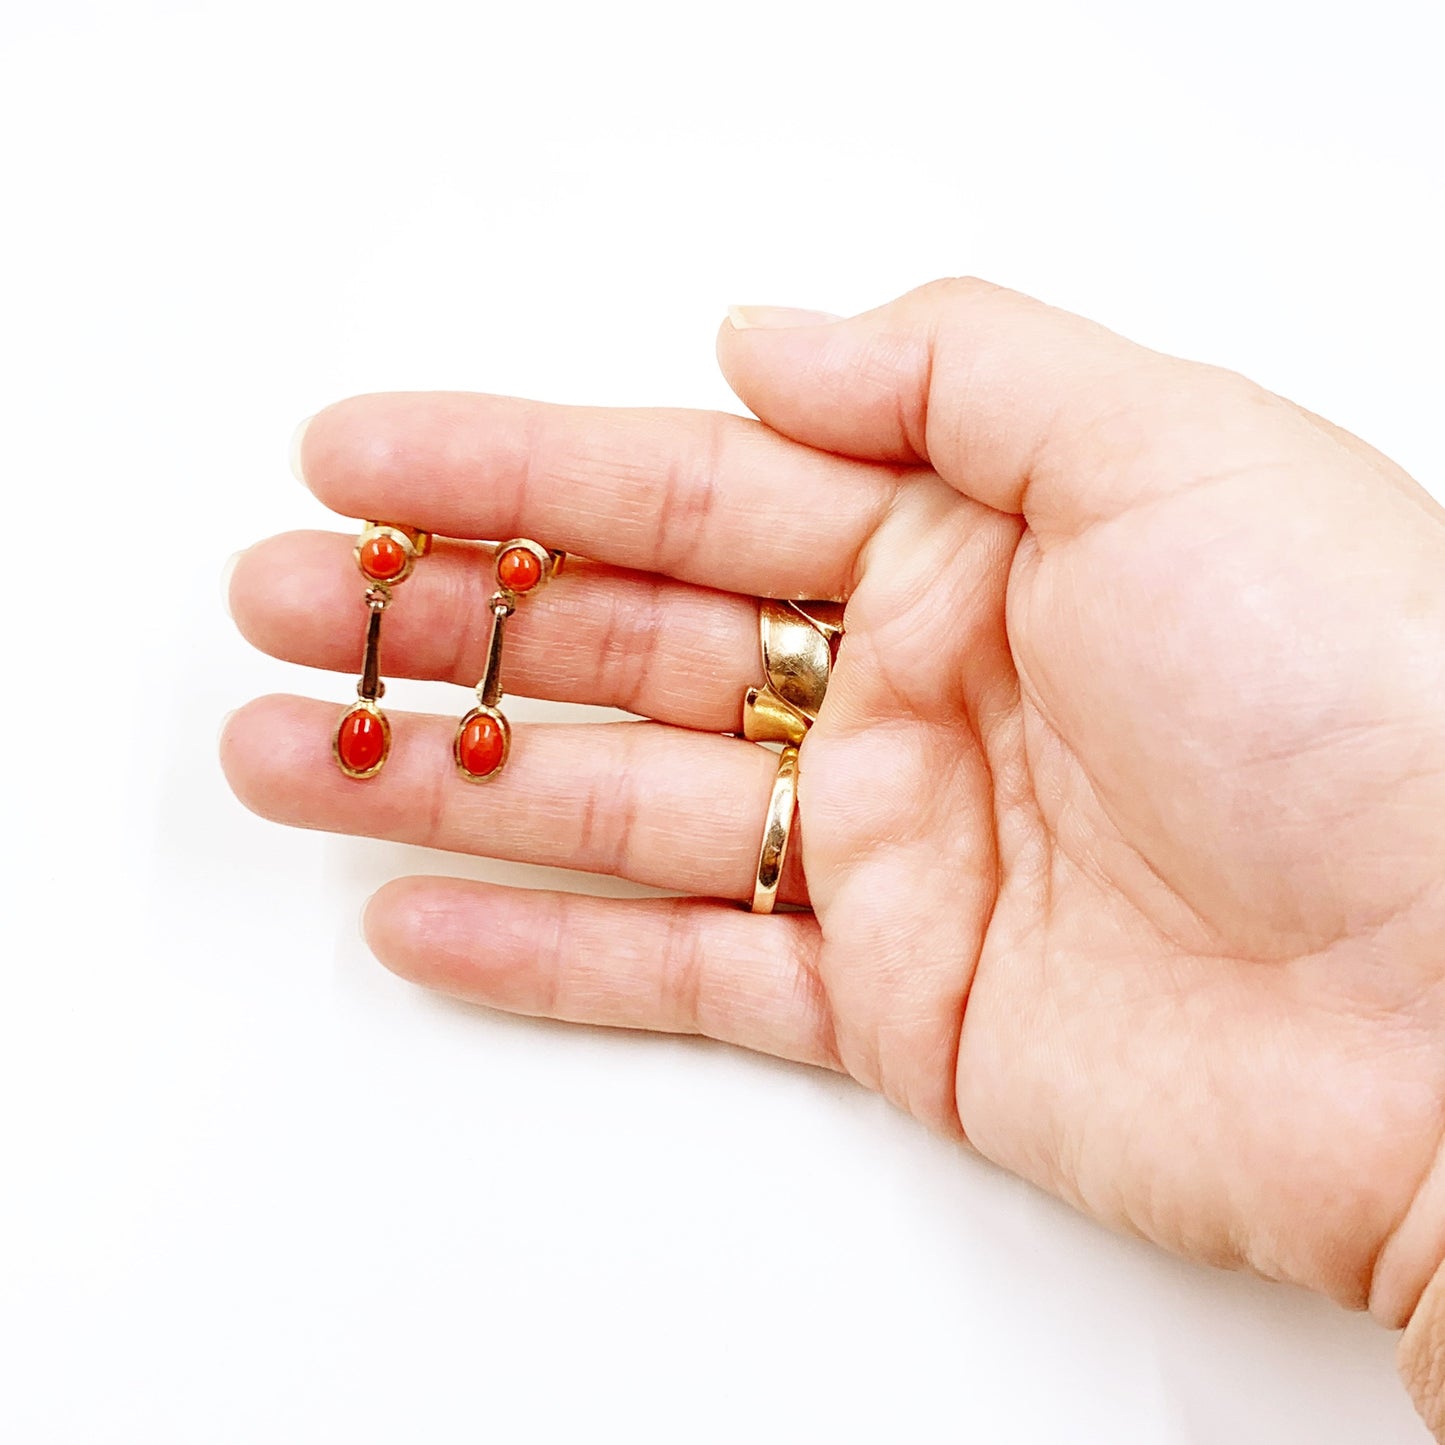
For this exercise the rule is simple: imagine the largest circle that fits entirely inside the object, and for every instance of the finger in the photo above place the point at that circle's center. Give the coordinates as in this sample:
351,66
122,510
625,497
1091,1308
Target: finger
657,805
601,635
1028,409
699,496
676,965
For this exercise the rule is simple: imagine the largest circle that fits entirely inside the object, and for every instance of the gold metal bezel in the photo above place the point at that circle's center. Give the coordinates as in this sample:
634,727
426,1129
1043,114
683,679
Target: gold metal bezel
362,704
416,544
497,716
549,561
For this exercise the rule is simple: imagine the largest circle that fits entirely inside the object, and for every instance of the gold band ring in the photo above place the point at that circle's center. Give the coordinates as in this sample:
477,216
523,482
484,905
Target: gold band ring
777,830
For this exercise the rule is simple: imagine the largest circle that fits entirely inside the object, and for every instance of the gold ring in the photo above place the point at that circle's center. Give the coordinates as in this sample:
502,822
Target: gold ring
782,807
797,646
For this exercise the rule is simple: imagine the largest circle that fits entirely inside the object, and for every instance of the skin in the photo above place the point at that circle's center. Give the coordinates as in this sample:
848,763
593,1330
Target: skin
1120,831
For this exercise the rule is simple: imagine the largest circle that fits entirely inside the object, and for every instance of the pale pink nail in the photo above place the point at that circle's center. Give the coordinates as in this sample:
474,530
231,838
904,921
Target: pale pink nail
297,437
776,318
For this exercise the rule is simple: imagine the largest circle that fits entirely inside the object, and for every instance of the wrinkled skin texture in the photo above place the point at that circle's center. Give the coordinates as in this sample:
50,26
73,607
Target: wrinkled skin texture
1122,826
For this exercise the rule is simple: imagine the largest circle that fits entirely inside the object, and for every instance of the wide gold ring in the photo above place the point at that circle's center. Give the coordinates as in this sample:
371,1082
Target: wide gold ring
797,641
777,830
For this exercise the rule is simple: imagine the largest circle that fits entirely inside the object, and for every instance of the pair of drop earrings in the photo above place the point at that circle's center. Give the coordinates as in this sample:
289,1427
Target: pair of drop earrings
386,554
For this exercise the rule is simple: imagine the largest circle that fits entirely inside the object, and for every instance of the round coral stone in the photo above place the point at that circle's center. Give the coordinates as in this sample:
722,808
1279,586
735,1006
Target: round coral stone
360,741
518,569
383,558
480,746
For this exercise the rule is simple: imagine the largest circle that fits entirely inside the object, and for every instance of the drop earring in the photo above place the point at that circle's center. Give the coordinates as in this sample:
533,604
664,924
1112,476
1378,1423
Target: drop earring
385,554
484,736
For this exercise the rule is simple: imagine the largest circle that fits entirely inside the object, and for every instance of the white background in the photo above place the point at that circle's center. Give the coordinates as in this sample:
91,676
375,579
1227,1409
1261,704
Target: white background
252,1187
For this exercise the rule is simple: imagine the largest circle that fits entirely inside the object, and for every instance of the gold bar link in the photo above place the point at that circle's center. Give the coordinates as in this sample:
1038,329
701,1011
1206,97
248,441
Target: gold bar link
371,687
489,689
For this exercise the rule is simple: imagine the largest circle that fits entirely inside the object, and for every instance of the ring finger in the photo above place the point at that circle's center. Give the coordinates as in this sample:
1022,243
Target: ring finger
654,804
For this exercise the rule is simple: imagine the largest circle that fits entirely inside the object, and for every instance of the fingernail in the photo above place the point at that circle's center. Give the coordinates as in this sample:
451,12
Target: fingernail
776,318
297,437
226,573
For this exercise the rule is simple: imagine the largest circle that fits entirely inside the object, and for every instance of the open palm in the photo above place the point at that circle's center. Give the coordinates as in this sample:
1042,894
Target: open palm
1120,828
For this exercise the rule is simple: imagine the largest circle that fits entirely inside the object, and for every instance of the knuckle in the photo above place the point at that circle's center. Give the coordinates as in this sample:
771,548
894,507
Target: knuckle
630,633
681,977
948,291
607,824
688,500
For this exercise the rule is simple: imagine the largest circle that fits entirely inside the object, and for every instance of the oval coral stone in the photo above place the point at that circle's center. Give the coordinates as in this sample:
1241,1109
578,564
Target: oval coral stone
480,746
383,558
518,569
360,741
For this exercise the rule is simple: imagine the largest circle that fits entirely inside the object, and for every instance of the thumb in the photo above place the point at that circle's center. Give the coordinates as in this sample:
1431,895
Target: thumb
1027,409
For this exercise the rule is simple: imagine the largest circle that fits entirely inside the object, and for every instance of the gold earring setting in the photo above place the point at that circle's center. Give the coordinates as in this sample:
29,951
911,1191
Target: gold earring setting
484,736
385,555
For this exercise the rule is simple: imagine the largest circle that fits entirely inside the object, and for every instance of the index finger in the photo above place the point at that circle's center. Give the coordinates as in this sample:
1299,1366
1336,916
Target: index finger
701,496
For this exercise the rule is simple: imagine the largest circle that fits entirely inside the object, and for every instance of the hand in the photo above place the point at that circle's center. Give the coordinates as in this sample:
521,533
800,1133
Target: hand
1123,824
